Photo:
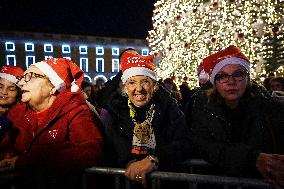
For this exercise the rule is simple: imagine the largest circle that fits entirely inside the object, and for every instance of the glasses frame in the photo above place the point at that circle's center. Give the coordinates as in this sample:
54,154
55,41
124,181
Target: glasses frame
226,76
28,76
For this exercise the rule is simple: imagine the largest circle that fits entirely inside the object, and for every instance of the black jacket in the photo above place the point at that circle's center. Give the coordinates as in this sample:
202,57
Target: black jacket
173,145
233,144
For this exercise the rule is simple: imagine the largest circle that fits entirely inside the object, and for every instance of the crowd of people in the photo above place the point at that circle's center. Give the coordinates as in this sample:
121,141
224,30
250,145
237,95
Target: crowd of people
54,124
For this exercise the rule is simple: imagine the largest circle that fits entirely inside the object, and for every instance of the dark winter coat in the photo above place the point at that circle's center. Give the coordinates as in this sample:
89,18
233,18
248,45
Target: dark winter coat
172,137
233,149
66,142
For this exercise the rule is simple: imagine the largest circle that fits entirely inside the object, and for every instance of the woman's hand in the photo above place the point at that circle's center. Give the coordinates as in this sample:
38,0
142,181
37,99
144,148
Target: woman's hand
277,170
263,165
137,170
8,164
271,167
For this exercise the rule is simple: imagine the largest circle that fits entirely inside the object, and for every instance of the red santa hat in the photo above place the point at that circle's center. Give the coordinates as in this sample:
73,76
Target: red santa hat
134,64
11,73
202,75
62,73
231,55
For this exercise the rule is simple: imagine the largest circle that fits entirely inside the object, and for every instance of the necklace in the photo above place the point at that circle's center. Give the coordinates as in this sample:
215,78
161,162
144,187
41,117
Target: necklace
143,135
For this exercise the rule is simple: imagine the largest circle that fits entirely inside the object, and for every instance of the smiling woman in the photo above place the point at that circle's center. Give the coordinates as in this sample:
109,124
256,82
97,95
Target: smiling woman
145,127
9,91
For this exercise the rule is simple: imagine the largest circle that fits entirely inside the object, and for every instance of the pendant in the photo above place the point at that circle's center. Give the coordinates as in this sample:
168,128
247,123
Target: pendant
142,132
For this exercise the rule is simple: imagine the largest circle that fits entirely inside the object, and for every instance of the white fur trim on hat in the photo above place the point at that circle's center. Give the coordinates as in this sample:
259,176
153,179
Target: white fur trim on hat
231,60
133,71
9,77
58,83
203,75
74,87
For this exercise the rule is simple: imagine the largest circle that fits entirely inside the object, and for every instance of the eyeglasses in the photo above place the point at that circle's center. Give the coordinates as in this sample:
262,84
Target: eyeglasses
28,76
238,75
142,83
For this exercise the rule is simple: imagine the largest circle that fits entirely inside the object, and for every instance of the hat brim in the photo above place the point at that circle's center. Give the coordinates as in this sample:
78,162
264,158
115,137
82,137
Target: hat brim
58,83
9,77
227,61
134,71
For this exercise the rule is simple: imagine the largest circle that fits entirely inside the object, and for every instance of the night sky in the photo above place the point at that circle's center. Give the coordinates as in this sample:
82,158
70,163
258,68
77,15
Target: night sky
106,18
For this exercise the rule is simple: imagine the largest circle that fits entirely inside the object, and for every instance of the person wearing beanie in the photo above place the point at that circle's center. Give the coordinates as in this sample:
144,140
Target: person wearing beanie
238,128
9,91
57,136
144,126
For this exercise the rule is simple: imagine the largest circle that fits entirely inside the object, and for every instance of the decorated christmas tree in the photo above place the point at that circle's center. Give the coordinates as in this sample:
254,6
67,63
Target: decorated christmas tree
186,31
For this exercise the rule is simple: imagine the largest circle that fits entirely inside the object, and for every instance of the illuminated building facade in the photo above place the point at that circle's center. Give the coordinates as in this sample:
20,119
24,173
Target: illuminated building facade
96,56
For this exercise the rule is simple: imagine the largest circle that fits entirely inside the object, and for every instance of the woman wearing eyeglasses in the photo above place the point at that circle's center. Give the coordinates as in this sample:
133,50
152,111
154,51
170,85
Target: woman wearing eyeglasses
145,127
55,135
237,128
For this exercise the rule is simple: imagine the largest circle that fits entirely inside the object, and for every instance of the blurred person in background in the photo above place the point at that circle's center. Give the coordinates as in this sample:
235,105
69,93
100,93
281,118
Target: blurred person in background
266,82
169,85
277,84
277,89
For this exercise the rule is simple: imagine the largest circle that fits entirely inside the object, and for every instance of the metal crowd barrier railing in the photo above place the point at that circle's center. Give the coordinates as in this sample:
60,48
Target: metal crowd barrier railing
193,179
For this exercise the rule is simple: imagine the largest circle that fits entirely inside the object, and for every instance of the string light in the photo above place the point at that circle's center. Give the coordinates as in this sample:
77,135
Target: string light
186,31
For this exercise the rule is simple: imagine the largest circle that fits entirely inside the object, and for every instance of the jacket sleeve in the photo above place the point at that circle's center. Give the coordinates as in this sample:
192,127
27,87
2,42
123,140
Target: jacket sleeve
82,149
175,146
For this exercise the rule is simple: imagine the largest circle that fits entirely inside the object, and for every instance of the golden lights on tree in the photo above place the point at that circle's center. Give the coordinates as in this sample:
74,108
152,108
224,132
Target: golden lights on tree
186,31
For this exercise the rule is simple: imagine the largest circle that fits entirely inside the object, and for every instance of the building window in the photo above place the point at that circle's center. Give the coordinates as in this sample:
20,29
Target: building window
67,57
66,49
145,52
29,60
115,51
29,47
11,60
83,49
88,78
115,65
48,48
10,46
100,65
84,64
99,50
47,57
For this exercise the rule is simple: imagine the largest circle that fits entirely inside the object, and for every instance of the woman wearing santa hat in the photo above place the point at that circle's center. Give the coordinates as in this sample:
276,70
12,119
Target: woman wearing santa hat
238,128
57,136
9,91
145,127
10,94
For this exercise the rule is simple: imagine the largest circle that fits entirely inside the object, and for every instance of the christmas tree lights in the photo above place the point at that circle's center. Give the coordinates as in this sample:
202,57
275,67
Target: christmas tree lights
186,31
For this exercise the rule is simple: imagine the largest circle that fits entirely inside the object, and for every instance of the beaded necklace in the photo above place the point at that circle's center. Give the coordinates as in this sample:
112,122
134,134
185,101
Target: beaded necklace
143,141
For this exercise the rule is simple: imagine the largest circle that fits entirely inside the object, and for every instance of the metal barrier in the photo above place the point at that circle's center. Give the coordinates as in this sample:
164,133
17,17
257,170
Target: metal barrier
191,164
193,179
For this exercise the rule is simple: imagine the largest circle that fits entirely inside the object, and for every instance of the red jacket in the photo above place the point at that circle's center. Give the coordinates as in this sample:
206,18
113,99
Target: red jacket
67,140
